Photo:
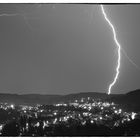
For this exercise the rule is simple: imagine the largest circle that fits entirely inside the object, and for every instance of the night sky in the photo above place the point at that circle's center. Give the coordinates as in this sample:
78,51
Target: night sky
67,48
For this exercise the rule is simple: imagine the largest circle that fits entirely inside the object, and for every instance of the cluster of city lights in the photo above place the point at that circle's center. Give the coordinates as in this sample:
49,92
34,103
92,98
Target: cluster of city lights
81,111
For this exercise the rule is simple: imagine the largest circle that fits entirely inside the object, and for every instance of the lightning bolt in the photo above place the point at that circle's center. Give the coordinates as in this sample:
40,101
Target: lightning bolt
130,60
5,14
21,13
16,14
118,51
24,14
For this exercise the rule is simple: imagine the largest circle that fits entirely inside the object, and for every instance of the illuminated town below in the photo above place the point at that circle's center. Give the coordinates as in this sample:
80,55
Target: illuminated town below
66,119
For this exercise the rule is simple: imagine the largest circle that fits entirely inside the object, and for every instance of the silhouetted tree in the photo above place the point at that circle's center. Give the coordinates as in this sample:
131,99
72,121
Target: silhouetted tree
11,129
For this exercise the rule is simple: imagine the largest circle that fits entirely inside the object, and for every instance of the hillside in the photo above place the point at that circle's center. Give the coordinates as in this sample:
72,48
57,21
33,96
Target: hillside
129,101
32,99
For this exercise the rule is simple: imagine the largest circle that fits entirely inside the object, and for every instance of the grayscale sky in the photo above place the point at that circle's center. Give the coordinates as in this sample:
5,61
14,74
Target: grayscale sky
67,48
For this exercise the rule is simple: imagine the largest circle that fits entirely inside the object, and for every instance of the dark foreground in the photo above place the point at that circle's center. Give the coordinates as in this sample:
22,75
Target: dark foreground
81,117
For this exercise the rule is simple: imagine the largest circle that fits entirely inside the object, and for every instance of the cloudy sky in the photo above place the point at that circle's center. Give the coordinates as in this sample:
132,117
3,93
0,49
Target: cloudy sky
67,48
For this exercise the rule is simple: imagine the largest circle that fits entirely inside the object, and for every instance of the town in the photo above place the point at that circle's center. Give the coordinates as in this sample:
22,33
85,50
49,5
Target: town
85,116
